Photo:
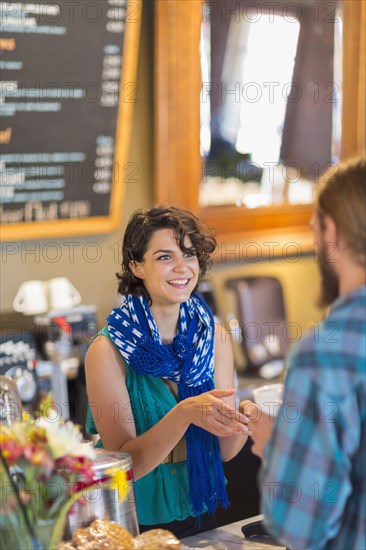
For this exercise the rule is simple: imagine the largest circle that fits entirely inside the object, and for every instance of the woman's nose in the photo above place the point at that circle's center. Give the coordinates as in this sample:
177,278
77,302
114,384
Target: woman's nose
180,265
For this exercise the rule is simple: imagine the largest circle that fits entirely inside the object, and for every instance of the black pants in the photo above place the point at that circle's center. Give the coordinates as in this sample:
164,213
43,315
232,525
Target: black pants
186,527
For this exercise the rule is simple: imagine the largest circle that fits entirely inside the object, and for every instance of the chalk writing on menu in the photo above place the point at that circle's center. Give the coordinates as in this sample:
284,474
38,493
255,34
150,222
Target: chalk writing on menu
60,67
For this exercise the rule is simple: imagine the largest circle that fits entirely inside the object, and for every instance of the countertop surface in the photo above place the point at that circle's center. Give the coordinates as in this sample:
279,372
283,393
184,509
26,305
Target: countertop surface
230,537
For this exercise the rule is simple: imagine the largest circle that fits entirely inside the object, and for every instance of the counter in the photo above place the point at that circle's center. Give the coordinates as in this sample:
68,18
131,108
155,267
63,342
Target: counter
230,537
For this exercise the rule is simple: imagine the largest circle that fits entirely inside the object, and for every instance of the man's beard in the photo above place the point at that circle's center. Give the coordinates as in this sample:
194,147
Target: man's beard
329,280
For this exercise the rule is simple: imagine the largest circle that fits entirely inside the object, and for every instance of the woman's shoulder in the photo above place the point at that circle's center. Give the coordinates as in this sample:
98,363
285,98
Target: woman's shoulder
100,341
103,350
103,332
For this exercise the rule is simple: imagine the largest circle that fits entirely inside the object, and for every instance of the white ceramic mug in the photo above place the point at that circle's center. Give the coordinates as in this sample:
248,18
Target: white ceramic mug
269,398
31,298
62,294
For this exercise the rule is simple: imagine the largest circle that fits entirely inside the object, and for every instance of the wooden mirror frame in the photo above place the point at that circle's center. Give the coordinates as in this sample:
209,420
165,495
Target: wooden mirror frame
178,165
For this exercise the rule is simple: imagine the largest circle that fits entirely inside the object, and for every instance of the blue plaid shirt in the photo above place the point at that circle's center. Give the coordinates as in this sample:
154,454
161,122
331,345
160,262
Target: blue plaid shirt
313,479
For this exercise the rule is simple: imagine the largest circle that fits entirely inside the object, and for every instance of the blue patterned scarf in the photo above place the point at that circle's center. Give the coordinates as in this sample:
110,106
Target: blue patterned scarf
188,361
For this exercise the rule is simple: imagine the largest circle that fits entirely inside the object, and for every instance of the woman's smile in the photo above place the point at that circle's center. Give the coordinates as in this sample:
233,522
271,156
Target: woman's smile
180,283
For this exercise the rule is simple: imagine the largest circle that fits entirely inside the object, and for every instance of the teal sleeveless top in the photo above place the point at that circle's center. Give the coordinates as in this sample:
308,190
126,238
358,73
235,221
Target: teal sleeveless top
162,495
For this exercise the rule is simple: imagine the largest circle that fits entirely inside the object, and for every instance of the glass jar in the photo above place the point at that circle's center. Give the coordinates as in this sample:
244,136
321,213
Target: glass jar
101,502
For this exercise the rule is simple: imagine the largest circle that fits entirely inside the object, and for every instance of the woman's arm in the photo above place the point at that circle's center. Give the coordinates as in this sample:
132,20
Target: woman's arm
110,403
224,378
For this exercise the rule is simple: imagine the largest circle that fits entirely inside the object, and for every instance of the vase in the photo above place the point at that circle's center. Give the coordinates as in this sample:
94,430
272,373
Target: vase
13,532
43,530
15,535
12,539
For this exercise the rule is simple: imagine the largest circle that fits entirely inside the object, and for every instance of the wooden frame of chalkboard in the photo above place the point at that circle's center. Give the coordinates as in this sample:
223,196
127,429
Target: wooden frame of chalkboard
65,140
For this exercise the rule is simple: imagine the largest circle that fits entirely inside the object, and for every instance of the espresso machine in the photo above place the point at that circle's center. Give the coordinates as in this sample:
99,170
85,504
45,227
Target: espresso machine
63,337
45,353
18,362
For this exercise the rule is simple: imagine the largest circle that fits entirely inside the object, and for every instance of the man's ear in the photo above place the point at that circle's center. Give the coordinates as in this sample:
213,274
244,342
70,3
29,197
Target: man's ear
330,231
137,269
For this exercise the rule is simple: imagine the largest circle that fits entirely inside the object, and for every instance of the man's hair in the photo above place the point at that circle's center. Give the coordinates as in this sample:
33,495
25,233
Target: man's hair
341,194
139,230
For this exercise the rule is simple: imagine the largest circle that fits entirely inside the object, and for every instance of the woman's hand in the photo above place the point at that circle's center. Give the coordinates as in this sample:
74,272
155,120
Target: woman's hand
207,411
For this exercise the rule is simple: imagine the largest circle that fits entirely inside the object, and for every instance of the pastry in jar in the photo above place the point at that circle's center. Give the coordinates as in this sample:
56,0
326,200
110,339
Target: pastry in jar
110,535
80,537
157,538
66,545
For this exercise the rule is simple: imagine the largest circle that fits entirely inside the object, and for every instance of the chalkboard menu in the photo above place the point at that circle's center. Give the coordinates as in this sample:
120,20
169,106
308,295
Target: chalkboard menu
66,97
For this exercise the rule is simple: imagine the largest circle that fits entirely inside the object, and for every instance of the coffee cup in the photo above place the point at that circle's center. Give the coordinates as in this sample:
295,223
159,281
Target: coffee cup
31,298
62,294
269,398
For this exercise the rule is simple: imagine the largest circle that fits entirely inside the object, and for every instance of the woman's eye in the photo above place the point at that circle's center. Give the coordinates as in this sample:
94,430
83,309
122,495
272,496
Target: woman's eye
165,257
190,254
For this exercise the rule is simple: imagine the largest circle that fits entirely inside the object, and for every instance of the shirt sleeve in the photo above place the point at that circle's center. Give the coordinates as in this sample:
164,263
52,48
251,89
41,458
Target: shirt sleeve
305,477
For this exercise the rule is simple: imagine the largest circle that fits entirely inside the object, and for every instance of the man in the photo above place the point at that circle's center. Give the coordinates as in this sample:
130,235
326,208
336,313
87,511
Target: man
313,477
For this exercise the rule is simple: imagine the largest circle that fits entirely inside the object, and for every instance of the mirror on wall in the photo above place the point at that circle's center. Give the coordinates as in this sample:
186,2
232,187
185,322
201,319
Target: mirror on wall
193,86
270,102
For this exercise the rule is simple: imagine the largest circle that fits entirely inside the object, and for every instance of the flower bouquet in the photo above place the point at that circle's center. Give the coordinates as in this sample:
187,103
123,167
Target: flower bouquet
42,462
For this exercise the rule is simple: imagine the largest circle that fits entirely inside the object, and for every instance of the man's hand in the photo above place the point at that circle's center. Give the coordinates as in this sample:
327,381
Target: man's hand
260,425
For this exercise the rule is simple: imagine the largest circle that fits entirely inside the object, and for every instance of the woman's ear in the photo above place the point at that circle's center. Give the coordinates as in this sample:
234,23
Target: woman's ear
137,269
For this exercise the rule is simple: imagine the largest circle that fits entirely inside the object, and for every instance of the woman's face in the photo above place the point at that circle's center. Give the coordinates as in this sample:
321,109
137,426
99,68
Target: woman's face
168,273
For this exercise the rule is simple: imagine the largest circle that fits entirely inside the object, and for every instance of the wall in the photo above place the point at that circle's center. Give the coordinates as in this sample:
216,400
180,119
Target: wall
300,282
91,262
94,276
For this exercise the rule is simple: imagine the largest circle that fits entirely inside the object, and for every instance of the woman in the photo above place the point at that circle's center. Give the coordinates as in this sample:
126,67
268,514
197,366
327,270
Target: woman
152,373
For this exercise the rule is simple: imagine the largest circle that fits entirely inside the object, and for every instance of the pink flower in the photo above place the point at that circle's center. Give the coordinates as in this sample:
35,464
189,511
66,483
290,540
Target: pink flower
11,450
78,465
38,456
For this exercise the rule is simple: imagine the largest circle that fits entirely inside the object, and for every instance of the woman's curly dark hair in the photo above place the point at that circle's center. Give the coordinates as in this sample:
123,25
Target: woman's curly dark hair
139,230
